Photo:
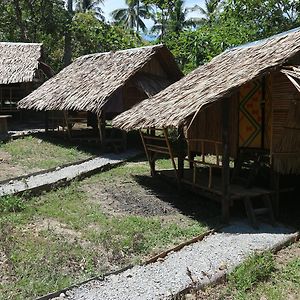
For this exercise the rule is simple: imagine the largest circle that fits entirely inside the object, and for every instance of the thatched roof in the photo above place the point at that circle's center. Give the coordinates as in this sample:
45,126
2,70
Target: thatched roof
91,80
211,82
19,62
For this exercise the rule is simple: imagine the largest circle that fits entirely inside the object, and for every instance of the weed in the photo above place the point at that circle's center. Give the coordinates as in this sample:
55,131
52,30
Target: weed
11,204
256,268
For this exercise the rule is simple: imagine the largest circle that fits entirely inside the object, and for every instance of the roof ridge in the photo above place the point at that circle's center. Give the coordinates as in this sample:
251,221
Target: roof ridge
264,40
21,43
121,51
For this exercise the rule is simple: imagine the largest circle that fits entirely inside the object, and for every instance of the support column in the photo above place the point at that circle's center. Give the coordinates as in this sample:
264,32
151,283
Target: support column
181,153
225,160
46,121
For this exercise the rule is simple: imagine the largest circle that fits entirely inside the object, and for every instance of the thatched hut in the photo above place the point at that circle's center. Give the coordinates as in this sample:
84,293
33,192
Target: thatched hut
97,87
243,108
21,71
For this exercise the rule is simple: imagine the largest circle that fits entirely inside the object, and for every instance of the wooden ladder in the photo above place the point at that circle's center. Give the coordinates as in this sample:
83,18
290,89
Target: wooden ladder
158,145
253,213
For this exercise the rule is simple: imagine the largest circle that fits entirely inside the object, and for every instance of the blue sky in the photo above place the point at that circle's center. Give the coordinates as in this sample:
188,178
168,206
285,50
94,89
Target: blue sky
110,5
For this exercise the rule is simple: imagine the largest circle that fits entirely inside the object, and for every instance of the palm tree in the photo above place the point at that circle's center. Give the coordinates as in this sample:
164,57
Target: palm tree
179,19
90,5
210,10
131,16
176,19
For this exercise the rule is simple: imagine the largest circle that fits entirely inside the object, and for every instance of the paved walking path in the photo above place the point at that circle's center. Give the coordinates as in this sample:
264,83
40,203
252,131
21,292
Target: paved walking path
62,175
202,262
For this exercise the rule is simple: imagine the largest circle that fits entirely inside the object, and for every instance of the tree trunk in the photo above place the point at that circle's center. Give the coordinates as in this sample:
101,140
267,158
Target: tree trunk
68,36
19,21
137,15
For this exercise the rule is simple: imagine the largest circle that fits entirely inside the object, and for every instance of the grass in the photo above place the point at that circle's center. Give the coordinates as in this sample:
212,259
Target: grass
255,269
264,276
34,153
269,282
61,237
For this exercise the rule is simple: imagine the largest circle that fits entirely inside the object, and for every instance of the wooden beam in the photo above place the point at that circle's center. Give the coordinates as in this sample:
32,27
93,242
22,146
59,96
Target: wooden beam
225,160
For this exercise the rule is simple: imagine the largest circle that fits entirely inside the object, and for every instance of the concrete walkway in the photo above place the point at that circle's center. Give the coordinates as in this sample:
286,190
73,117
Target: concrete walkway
45,180
202,263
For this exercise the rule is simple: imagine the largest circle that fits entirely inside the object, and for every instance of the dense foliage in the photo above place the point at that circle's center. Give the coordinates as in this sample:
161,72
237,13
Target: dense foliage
81,27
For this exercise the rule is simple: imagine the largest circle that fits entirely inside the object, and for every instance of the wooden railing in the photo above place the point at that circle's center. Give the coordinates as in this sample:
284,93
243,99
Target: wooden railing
195,163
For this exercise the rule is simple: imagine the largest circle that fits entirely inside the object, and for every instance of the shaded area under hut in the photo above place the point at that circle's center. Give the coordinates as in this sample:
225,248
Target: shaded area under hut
232,126
22,70
84,97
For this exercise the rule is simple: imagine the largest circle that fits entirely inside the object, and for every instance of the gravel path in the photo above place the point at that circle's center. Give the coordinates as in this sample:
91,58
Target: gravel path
205,261
44,180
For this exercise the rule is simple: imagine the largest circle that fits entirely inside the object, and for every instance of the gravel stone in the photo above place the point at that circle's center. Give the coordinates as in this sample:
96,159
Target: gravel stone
198,262
63,174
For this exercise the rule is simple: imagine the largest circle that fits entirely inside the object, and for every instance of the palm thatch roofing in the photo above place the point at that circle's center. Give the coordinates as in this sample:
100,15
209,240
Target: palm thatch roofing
92,80
213,81
19,62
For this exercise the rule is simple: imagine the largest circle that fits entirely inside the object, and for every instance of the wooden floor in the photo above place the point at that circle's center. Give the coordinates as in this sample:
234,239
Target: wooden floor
215,192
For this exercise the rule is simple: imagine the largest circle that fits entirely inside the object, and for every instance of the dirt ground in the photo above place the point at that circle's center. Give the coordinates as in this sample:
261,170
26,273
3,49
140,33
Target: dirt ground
8,169
142,195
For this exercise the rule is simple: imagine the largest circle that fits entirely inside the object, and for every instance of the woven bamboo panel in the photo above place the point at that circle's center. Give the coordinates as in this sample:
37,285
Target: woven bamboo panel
208,125
250,114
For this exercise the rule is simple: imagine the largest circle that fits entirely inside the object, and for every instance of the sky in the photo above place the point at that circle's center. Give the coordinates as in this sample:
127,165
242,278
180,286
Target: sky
110,5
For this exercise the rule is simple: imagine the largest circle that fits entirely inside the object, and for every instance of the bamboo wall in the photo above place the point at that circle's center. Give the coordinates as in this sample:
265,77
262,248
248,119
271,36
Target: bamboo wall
132,95
208,125
285,145
154,67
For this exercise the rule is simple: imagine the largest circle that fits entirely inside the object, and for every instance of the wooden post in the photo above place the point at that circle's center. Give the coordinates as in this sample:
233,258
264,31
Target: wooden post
152,154
181,153
225,160
263,112
46,122
67,124
101,131
152,166
165,130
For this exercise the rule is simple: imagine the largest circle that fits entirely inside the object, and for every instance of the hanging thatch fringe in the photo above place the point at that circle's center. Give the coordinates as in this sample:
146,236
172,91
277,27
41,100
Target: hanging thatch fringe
211,82
19,62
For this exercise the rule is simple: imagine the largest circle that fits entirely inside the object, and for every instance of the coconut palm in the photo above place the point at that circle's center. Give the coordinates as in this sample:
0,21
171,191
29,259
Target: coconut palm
210,10
131,16
90,5
176,20
179,17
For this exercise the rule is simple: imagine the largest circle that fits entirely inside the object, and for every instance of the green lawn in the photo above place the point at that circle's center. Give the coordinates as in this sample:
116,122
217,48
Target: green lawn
66,236
33,153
